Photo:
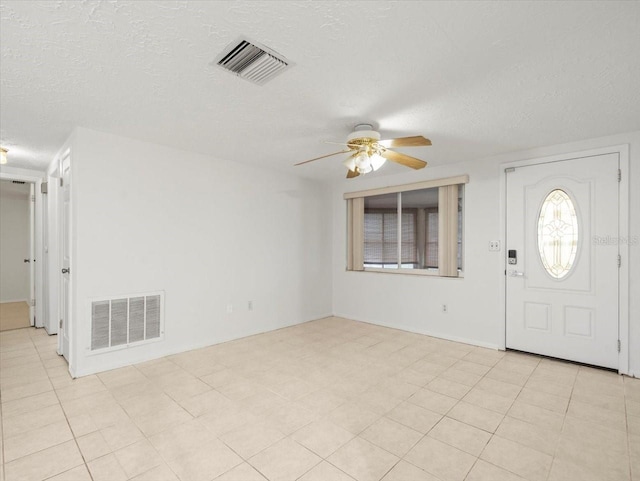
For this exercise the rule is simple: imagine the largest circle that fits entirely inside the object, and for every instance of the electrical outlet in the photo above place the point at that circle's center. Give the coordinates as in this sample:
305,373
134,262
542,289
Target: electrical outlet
229,308
494,246
250,305
444,308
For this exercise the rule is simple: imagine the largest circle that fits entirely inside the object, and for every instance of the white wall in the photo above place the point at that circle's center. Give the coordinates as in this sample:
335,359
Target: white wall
207,232
14,242
475,314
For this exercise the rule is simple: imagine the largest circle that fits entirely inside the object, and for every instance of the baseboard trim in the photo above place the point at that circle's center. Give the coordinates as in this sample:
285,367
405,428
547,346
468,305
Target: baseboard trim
109,366
439,335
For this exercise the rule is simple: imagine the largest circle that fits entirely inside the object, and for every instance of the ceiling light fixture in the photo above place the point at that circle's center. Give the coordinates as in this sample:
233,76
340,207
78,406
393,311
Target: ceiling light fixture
369,156
3,156
368,153
364,162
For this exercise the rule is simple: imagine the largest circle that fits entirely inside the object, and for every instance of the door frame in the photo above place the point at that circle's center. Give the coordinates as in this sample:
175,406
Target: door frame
623,233
53,267
35,272
59,160
32,256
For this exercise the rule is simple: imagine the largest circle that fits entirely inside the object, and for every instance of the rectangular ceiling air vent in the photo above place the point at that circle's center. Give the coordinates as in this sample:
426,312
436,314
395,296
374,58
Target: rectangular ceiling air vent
252,61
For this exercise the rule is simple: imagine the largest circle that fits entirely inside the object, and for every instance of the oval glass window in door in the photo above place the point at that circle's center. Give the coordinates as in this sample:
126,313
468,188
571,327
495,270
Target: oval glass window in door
558,234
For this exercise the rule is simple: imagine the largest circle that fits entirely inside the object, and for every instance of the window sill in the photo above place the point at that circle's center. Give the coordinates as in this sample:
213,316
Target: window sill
409,272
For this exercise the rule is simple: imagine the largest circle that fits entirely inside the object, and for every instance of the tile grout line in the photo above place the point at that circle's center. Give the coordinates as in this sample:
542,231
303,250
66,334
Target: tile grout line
503,417
112,452
396,370
626,424
425,435
41,363
564,420
53,387
322,459
144,435
492,434
442,416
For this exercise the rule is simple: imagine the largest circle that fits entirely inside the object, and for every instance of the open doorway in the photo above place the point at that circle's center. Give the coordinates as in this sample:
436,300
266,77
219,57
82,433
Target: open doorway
17,246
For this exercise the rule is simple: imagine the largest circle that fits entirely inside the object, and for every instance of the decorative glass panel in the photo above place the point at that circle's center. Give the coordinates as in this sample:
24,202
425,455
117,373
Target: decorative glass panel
558,234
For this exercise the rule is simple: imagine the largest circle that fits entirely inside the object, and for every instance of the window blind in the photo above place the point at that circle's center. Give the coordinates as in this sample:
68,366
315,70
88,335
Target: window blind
381,237
427,236
432,239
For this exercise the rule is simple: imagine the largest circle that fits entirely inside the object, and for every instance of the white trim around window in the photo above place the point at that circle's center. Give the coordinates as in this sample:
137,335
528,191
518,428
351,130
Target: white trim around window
448,220
427,184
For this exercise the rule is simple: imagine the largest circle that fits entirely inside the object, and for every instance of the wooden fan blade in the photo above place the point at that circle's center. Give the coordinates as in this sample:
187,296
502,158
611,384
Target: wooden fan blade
351,174
415,141
322,157
404,159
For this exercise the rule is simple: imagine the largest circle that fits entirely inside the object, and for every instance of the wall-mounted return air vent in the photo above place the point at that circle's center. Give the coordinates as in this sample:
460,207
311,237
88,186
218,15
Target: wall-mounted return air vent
126,321
252,61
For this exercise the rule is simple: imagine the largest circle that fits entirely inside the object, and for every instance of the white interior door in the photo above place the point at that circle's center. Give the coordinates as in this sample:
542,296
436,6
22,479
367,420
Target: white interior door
562,259
44,264
32,255
65,259
52,248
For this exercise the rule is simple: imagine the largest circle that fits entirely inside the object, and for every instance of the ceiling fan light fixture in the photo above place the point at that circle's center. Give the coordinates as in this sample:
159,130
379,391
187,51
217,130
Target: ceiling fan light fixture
368,153
377,161
350,163
363,162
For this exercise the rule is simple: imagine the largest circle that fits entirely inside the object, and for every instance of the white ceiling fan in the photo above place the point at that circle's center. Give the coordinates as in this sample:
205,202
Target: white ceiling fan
369,153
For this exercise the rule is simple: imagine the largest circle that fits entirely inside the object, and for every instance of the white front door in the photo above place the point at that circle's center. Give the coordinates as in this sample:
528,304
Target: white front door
65,259
562,259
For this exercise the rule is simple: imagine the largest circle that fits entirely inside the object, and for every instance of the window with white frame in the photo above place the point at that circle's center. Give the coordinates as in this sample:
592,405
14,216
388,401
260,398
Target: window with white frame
414,228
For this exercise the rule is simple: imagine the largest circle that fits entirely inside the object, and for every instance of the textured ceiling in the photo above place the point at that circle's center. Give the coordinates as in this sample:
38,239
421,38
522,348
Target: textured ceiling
477,78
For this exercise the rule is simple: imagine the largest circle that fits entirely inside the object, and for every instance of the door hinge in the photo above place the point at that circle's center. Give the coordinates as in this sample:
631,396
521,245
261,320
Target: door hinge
33,302
509,169
618,345
33,198
61,181
619,260
619,175
44,188
60,324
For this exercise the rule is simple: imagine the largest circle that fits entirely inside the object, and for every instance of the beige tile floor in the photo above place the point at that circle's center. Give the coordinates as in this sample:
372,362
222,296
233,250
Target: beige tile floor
330,400
14,315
